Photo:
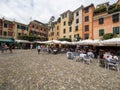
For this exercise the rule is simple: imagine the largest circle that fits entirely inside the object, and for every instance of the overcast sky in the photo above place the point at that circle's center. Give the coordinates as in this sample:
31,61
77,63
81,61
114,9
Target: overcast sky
41,10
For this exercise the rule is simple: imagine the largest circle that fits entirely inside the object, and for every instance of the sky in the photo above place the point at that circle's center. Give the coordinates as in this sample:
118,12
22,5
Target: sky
25,11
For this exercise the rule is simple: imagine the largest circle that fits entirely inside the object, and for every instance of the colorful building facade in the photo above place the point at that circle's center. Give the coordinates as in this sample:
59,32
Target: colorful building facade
54,33
38,29
12,29
87,22
106,21
66,20
6,28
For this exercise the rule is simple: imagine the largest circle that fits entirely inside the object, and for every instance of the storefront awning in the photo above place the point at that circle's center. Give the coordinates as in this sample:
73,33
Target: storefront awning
6,40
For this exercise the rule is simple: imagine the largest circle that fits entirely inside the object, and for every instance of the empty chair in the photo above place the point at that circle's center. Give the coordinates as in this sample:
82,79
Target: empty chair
70,55
114,64
86,59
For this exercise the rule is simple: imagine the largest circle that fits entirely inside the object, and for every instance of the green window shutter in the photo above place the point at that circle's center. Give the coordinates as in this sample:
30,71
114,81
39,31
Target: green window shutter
115,30
101,32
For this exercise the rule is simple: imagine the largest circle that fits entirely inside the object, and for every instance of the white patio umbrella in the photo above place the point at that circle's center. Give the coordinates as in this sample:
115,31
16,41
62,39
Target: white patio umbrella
86,42
56,41
48,42
112,42
73,43
97,42
65,42
22,41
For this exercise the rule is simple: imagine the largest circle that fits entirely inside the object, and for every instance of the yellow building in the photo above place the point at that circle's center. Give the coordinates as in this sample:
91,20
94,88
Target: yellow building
54,33
6,28
20,29
66,24
76,24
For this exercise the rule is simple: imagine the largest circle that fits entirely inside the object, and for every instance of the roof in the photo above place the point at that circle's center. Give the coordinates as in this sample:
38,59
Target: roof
89,6
78,8
65,12
38,22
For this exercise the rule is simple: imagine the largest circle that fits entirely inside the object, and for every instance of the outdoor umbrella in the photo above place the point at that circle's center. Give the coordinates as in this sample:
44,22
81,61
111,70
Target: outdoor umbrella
112,42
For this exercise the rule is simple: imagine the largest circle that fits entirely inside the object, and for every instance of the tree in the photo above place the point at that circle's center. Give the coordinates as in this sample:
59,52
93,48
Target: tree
65,39
29,38
109,36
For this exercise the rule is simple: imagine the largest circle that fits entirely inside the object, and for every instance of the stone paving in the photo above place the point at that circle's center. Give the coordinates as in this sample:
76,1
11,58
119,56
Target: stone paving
26,70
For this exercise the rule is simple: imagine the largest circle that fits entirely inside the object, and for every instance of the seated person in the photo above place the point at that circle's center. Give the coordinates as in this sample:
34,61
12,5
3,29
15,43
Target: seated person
113,58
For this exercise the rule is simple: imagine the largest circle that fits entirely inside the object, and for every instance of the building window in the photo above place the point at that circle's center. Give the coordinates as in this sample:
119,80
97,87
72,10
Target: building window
70,36
10,33
77,21
101,32
86,36
32,26
115,18
86,19
77,13
5,25
57,27
86,27
18,27
76,35
70,23
64,31
115,30
64,36
5,33
57,33
36,27
26,28
86,10
64,15
70,29
19,34
76,28
101,20
64,23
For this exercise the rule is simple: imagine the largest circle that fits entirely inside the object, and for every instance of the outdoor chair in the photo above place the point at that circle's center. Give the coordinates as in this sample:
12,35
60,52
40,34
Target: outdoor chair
91,56
114,65
70,55
102,62
86,59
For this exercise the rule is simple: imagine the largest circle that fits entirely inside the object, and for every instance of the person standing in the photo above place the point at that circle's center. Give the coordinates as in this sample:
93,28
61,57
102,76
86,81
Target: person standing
31,46
38,49
10,47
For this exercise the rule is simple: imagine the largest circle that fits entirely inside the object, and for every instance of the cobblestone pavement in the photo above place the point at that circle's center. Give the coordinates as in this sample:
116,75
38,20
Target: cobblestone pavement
26,70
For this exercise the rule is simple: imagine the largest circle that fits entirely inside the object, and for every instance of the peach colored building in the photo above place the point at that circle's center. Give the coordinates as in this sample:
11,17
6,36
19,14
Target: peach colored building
38,29
106,22
87,22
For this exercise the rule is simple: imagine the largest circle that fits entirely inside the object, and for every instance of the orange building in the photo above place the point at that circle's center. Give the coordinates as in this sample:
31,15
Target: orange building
106,21
39,29
87,22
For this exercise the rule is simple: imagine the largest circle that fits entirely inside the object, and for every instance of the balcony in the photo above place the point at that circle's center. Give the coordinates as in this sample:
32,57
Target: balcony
99,10
113,8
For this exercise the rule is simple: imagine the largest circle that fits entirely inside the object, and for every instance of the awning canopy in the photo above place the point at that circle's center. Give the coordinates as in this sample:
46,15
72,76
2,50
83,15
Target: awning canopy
6,40
22,41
